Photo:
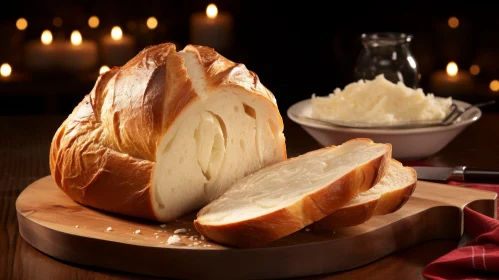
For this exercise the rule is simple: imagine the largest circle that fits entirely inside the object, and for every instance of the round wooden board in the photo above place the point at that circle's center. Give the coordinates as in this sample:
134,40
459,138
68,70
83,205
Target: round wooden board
64,229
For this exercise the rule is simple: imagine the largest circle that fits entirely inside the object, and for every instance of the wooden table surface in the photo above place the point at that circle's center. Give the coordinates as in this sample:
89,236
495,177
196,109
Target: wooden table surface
24,147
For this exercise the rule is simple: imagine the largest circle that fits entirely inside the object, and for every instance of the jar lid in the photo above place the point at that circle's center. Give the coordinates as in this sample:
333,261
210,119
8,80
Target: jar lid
385,38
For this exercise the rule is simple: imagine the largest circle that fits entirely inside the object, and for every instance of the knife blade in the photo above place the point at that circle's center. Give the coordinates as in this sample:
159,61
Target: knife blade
457,173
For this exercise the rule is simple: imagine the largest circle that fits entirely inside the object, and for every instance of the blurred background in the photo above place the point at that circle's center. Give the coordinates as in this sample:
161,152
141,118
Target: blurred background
52,52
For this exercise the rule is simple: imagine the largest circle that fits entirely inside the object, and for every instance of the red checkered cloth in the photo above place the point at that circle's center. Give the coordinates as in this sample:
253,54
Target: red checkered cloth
478,260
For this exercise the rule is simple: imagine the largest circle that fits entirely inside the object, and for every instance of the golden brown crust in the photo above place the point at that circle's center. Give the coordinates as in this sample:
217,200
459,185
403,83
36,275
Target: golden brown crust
133,107
103,154
360,213
95,175
272,226
179,90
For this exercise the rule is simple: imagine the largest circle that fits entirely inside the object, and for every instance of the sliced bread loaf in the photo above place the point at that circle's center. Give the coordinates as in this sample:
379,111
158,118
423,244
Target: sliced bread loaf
391,193
285,197
166,134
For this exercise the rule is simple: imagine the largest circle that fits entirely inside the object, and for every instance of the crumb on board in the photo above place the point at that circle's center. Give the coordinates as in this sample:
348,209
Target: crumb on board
196,243
163,225
137,231
180,230
77,226
206,245
155,233
109,229
202,237
174,239
157,236
161,242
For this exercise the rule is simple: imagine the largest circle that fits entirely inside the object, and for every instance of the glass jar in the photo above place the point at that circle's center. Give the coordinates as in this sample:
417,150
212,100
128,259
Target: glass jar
388,54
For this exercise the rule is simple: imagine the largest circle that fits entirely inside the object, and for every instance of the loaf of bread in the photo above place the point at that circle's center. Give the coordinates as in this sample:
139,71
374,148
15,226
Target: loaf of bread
391,193
166,134
285,197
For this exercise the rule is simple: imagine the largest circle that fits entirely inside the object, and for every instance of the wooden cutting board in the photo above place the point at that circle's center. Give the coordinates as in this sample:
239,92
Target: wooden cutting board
61,228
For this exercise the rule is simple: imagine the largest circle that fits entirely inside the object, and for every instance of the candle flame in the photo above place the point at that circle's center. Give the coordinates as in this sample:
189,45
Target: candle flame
21,24
152,23
475,69
5,70
116,33
494,85
212,11
46,37
93,22
76,38
452,69
103,69
453,22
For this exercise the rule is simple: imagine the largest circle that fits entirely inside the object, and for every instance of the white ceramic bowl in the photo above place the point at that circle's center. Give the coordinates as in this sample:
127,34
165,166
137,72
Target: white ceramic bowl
413,143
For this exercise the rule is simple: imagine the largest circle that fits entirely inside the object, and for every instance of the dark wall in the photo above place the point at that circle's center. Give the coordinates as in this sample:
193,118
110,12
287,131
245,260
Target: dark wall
296,48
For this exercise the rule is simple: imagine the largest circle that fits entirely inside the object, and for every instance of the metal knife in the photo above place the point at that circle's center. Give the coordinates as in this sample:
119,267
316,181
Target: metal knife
458,173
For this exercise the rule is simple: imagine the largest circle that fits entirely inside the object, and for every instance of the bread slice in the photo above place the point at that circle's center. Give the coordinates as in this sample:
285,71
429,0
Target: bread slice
391,193
285,197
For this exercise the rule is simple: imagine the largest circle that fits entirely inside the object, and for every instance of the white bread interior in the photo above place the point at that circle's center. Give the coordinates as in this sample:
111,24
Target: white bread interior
224,136
255,209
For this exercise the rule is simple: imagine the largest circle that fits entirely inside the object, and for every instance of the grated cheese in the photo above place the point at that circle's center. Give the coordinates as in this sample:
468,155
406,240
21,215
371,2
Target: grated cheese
379,102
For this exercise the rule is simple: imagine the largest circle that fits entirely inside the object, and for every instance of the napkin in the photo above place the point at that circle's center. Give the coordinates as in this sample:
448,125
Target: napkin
478,260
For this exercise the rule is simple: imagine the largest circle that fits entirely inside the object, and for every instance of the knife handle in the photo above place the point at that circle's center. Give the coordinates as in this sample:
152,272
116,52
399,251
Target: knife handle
481,175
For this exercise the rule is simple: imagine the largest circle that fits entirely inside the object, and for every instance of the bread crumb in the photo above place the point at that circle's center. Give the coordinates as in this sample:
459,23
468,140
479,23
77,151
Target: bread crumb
180,230
190,245
202,237
307,229
155,233
163,225
157,236
207,245
77,226
109,229
131,238
137,231
174,239
161,242
196,243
